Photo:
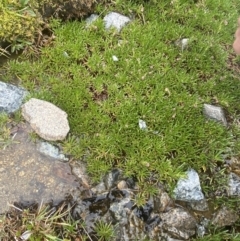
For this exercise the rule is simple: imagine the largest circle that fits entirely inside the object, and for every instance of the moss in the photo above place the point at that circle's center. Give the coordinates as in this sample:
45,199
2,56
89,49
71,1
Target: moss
22,21
19,22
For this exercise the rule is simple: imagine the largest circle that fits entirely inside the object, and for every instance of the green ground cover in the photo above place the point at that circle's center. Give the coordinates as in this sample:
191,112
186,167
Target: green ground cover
154,80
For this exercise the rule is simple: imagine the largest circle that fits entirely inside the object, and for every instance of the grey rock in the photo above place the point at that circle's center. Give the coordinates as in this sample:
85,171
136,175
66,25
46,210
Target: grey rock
79,170
189,189
111,178
91,19
130,226
119,210
201,228
200,205
214,112
234,185
46,119
179,223
100,188
27,175
115,20
224,217
11,97
51,150
161,202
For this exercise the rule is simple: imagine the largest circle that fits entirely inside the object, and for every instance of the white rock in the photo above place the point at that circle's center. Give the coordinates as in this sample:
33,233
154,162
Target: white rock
46,119
215,113
26,235
189,189
115,20
115,58
142,124
182,43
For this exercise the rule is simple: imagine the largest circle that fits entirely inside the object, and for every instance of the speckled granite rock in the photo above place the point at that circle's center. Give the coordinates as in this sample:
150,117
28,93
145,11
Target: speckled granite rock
46,119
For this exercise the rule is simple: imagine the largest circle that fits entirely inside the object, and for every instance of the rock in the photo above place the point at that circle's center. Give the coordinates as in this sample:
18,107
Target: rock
189,189
100,188
179,223
28,176
46,119
200,205
130,226
182,43
91,19
215,113
79,170
234,185
201,228
224,217
111,178
119,210
122,185
51,150
161,202
11,97
115,20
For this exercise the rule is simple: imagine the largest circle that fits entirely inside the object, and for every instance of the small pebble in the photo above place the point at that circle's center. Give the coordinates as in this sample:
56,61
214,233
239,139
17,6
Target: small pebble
122,185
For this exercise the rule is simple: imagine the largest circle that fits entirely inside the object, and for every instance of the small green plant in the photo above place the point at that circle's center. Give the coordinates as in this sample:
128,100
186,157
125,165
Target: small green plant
217,234
71,145
41,223
20,23
17,116
33,136
104,231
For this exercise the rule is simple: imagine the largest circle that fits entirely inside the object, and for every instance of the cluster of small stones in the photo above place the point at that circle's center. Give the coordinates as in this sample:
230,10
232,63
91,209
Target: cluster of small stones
111,200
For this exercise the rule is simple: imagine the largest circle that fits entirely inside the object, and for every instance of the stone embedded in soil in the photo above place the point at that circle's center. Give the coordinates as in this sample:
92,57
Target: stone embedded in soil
202,226
115,20
215,113
92,18
79,170
11,97
161,202
46,119
182,43
122,185
51,150
179,223
200,205
234,185
99,188
111,178
189,189
224,217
